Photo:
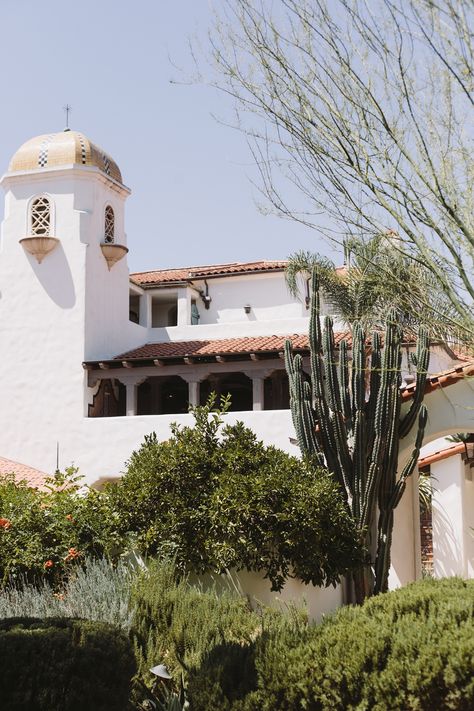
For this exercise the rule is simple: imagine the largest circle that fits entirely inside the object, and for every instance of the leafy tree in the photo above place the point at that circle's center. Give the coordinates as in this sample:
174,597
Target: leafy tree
217,498
367,110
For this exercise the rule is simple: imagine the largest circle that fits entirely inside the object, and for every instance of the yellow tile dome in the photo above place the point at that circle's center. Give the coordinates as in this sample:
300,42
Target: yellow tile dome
64,148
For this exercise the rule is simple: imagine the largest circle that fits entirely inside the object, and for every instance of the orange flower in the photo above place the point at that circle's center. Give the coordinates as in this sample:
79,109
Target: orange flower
72,553
49,564
5,523
69,517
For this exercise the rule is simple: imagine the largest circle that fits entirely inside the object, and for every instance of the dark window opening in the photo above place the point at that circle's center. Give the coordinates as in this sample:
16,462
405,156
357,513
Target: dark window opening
277,391
163,396
238,385
134,307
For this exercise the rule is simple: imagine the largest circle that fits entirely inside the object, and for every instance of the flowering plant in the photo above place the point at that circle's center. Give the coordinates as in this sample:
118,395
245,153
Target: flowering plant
44,534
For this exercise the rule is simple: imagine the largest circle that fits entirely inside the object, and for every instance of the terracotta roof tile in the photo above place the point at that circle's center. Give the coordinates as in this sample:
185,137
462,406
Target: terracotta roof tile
225,346
441,454
170,276
35,478
442,380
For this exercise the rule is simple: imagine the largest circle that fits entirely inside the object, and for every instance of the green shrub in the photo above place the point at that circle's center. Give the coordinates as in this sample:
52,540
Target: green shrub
45,534
407,650
218,499
97,591
229,677
57,664
176,623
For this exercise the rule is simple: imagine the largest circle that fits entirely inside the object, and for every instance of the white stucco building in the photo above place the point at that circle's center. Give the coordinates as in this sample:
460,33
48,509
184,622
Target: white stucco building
94,358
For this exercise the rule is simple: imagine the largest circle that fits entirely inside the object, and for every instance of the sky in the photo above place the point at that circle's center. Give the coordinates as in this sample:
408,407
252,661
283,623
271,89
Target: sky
116,63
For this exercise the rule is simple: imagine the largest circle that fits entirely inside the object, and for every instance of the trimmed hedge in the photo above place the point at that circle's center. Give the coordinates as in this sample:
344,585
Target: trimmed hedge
407,650
55,664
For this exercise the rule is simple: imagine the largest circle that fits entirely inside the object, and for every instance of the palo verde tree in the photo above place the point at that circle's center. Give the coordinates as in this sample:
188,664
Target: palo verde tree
366,109
350,420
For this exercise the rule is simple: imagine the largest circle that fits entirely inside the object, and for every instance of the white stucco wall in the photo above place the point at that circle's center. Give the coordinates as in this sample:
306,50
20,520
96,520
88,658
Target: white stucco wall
266,293
318,602
453,518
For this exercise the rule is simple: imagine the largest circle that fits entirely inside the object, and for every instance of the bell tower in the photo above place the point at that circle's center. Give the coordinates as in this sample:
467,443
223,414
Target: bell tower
63,284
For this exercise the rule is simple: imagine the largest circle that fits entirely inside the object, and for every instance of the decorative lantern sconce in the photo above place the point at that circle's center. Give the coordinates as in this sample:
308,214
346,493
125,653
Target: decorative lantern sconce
40,246
113,253
205,295
247,308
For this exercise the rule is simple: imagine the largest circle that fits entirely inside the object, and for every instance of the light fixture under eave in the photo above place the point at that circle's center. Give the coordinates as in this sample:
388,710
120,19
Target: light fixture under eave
113,253
38,246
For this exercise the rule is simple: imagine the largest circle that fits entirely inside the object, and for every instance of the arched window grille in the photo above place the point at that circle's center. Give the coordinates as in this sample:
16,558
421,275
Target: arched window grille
41,217
109,225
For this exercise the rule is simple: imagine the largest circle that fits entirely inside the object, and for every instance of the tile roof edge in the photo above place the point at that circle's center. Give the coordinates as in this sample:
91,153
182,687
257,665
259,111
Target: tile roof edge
202,267
441,454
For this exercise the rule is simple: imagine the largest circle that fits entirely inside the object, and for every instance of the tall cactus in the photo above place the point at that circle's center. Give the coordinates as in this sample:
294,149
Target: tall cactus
349,419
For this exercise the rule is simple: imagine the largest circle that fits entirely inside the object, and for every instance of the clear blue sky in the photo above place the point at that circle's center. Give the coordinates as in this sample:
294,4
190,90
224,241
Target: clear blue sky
192,201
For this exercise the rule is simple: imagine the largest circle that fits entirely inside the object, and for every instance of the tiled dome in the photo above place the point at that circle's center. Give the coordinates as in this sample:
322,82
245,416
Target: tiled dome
64,148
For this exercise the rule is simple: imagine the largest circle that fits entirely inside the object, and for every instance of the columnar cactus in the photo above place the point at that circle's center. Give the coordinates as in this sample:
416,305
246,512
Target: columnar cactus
348,418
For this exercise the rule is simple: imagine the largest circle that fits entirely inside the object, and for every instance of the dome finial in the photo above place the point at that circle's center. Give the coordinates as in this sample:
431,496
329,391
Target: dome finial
67,109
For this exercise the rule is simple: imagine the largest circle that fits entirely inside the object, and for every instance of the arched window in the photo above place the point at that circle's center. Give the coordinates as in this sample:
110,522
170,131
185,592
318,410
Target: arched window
109,233
40,217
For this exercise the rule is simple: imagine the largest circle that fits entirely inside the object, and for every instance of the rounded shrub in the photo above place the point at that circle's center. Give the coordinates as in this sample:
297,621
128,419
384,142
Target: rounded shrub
407,650
54,664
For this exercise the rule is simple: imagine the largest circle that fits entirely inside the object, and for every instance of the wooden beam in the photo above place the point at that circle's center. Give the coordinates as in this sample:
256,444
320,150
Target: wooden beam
188,361
127,364
221,359
159,363
254,356
104,366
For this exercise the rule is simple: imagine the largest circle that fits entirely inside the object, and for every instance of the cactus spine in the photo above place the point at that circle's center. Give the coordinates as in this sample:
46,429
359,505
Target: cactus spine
349,420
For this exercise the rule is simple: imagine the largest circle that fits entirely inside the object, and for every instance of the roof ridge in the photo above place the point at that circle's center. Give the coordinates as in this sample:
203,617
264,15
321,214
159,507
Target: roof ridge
210,266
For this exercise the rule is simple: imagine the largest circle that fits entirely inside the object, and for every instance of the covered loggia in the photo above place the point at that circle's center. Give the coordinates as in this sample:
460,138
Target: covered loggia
237,385
162,395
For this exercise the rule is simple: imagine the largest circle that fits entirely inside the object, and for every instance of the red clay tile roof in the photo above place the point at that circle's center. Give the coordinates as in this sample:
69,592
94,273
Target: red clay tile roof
441,454
222,347
170,276
34,477
443,379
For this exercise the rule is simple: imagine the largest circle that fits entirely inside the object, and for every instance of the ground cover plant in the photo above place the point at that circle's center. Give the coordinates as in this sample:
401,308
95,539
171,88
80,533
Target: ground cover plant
217,498
407,650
